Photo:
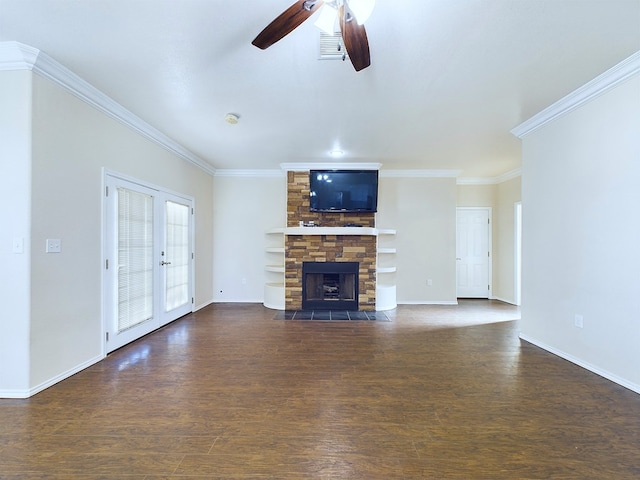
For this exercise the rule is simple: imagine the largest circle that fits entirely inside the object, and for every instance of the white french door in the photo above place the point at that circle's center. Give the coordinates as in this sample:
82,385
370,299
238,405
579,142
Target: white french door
148,259
473,252
175,258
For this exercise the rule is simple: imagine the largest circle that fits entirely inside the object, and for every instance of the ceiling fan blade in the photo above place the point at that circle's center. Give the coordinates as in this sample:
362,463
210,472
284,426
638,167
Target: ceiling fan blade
355,39
286,22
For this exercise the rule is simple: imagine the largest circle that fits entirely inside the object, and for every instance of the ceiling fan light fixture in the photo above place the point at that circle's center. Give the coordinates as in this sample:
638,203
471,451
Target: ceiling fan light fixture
361,9
327,19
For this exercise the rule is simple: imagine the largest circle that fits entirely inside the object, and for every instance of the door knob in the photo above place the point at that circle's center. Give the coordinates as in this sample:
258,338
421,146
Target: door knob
165,263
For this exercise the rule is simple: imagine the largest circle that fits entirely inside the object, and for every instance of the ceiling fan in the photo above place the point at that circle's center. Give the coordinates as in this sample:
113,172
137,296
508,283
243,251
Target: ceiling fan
351,15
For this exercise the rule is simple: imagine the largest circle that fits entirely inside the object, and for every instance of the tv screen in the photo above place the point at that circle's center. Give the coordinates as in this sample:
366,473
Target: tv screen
343,190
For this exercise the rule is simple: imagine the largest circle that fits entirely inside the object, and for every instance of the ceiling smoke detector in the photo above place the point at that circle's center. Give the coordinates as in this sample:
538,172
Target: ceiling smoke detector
231,118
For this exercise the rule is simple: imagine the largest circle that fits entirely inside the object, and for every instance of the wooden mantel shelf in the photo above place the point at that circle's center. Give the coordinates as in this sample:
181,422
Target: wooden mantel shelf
332,231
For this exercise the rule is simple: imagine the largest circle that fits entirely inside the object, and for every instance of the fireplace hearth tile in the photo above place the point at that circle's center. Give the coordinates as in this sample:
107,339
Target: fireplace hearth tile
332,315
303,315
358,315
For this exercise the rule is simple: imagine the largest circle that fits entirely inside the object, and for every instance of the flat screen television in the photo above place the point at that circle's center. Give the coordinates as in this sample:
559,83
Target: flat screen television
343,190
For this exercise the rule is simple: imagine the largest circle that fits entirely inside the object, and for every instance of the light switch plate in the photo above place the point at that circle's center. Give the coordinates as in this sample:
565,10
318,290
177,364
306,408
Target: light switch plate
54,245
18,245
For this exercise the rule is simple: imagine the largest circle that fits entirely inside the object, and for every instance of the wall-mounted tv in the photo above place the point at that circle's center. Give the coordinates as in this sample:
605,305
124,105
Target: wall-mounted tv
343,190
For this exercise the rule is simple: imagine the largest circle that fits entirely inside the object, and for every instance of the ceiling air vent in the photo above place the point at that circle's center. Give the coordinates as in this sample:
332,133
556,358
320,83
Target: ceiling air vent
332,46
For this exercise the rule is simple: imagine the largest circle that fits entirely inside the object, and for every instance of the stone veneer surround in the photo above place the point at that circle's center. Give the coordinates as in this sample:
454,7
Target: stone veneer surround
326,248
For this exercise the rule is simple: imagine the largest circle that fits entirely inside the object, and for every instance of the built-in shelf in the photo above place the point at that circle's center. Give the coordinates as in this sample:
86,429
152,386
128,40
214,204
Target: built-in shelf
274,292
274,296
274,286
385,297
274,268
386,269
385,286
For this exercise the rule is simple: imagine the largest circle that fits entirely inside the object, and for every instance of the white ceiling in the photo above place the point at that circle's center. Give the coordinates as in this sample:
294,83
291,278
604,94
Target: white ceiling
448,78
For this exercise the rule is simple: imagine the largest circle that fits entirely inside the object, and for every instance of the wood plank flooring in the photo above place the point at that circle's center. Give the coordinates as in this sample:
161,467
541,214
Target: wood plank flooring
439,392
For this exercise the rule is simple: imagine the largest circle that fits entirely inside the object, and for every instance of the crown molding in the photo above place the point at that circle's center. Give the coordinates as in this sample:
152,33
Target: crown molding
17,56
301,167
490,180
596,87
221,172
420,173
509,175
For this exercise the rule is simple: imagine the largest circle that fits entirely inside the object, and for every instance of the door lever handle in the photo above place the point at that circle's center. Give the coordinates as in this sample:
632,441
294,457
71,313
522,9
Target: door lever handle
165,263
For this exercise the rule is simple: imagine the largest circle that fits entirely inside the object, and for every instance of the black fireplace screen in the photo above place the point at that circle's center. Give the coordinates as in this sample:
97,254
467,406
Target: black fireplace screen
330,286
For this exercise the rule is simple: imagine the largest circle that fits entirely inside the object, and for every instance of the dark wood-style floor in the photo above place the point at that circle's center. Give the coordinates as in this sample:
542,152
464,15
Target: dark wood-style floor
229,392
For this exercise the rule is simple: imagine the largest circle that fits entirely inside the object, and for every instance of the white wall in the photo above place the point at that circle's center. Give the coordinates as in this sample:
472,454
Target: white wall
71,143
423,211
508,194
245,207
15,169
581,231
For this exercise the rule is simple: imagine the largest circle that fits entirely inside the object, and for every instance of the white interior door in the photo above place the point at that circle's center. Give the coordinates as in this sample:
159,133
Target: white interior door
148,260
473,253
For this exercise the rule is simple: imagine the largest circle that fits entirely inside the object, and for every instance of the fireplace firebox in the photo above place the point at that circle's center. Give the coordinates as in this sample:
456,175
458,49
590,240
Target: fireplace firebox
330,285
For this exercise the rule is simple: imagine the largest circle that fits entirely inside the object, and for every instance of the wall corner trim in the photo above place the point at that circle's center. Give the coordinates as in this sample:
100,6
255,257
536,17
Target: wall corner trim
17,56
596,87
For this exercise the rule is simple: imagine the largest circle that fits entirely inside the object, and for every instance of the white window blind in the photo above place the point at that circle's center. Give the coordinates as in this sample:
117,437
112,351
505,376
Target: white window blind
177,253
135,258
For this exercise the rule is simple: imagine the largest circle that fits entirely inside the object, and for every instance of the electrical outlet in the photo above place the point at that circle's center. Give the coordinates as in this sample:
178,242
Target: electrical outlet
578,321
53,245
429,282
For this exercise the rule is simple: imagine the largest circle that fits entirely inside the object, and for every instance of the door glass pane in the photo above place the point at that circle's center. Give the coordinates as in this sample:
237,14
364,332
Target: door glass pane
177,255
135,258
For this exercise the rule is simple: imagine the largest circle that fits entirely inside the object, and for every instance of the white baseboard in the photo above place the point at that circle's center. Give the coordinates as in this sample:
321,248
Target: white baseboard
52,381
423,302
14,393
510,302
598,371
238,300
202,305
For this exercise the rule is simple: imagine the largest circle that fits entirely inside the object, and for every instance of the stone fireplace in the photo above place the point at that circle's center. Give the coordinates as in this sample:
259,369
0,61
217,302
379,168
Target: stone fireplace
304,247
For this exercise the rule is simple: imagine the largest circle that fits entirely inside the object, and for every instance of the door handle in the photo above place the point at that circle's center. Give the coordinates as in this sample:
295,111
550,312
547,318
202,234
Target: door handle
458,258
165,263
